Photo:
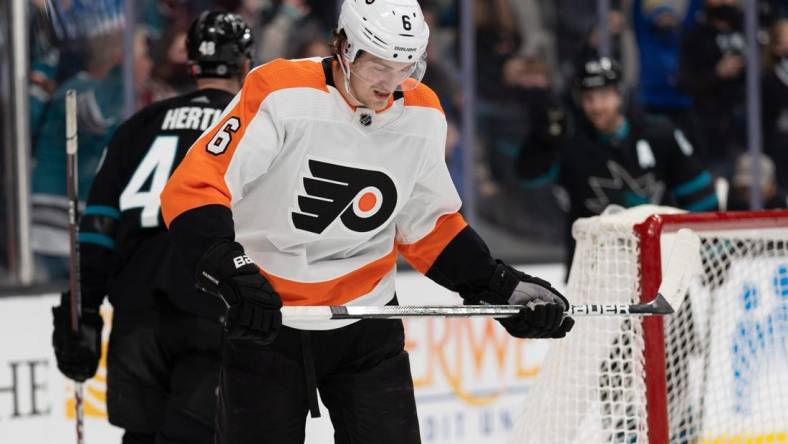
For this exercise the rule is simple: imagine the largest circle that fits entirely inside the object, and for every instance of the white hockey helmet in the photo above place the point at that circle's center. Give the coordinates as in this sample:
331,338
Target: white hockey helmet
392,30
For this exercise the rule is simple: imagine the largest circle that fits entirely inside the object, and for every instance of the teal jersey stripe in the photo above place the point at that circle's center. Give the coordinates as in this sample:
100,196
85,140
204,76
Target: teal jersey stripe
632,200
97,239
619,133
692,186
507,149
102,210
707,203
545,179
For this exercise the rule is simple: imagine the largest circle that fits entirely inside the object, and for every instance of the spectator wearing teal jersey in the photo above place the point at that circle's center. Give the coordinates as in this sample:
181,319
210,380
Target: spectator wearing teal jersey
99,107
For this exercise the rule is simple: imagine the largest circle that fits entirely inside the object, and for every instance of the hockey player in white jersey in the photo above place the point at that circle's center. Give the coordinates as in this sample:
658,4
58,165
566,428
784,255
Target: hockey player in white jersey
317,176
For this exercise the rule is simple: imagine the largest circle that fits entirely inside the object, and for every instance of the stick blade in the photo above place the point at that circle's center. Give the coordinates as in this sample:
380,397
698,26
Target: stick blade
660,306
683,264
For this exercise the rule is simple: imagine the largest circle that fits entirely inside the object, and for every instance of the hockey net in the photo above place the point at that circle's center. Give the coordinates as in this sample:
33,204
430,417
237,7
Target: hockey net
715,372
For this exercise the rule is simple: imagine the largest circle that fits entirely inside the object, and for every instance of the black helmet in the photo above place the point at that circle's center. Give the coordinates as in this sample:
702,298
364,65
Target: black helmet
218,44
596,72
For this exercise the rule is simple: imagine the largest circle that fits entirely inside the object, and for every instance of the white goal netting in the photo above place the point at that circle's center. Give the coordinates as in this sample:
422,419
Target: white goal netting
721,376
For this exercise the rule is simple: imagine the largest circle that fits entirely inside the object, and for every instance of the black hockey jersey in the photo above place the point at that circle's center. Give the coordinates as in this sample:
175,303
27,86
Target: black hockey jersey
124,249
648,161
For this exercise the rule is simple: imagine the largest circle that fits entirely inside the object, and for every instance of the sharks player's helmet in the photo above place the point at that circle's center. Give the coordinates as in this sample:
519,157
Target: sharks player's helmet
218,44
597,72
392,30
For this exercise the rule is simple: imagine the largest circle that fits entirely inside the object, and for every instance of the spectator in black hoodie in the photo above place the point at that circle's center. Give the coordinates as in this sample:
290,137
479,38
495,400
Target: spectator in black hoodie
711,71
775,100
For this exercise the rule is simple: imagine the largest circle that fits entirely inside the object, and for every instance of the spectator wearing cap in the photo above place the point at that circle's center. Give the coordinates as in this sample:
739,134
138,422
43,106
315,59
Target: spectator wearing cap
772,195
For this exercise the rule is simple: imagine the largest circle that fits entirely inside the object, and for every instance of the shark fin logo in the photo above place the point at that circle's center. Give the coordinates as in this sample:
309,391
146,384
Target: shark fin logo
361,199
623,189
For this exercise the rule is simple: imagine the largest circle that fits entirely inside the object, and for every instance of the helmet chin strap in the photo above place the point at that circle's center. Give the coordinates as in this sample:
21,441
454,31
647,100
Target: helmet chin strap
346,71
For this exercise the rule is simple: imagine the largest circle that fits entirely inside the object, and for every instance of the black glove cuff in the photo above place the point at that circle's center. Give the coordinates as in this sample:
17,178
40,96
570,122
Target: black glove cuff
503,282
221,261
498,289
88,314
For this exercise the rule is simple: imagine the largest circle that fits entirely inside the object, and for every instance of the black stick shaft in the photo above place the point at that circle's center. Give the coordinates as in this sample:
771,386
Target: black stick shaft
72,189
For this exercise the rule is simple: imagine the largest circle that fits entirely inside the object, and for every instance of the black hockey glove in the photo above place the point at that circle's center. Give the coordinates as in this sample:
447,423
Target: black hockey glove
77,354
543,316
253,311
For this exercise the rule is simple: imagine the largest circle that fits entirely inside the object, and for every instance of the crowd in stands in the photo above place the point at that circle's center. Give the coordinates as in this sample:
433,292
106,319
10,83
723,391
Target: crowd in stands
681,59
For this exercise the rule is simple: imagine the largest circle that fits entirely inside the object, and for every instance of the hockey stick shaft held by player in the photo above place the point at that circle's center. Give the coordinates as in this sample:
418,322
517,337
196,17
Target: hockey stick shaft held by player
75,303
657,307
683,263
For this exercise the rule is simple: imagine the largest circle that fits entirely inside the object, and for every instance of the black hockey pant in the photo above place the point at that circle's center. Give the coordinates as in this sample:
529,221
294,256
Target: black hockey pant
162,375
362,372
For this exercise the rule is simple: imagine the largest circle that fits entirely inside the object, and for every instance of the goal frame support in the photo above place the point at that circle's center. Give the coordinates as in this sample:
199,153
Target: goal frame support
649,233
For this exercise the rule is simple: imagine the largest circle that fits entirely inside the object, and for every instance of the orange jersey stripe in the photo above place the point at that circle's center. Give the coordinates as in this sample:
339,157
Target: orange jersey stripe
336,291
422,96
423,253
199,179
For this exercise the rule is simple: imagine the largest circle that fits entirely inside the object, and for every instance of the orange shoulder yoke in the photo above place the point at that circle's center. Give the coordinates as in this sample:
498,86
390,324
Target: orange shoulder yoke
422,96
199,179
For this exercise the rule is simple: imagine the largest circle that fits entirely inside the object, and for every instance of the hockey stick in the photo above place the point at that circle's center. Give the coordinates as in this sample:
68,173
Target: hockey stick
75,301
683,264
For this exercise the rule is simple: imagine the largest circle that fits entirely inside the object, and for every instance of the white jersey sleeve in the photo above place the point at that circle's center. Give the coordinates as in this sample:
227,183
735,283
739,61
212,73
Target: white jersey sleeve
430,218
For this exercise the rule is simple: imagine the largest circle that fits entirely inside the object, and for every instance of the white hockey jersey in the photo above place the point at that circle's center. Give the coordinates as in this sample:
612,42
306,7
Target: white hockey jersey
324,196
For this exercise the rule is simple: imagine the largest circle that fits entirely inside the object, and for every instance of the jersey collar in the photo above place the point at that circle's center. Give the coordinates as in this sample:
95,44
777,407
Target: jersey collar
616,136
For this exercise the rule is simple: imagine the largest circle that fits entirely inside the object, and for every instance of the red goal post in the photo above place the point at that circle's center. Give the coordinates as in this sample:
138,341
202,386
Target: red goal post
650,232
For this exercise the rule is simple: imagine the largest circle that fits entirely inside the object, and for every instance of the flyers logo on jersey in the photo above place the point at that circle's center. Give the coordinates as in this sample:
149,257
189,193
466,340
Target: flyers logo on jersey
361,199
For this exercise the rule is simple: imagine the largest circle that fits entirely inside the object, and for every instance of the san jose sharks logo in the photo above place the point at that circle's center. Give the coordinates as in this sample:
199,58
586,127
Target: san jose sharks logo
622,189
362,199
